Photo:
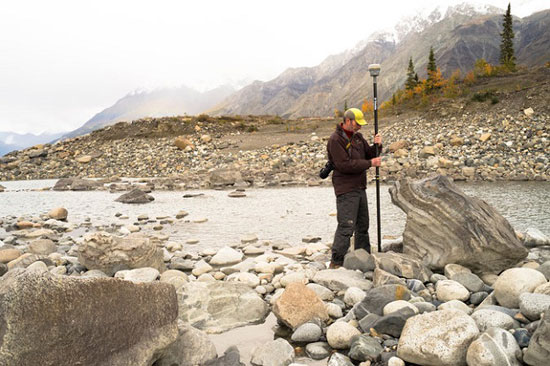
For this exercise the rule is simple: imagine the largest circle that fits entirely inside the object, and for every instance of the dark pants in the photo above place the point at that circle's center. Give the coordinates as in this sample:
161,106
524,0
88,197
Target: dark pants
353,216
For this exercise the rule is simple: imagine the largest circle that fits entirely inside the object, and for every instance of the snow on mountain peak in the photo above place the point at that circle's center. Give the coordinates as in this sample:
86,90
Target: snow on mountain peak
472,9
426,17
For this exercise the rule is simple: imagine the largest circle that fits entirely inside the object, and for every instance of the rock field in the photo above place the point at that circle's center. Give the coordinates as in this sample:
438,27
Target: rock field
489,146
387,308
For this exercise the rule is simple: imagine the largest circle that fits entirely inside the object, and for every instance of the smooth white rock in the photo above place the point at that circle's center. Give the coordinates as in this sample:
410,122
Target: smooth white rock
448,290
226,256
249,279
138,275
514,282
398,305
334,311
456,304
339,335
292,277
353,295
201,267
535,237
437,338
396,361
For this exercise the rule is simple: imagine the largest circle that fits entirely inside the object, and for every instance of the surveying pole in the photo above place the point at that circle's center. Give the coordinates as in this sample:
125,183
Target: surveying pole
374,70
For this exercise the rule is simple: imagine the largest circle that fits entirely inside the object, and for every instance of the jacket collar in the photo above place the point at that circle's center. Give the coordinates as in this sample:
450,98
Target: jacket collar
343,133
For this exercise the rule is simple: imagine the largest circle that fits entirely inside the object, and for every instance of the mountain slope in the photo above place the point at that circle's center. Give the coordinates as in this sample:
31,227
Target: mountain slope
534,41
459,37
10,141
157,103
272,97
5,148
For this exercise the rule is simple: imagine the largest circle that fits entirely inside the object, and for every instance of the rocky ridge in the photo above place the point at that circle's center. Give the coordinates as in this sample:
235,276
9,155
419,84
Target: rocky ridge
185,153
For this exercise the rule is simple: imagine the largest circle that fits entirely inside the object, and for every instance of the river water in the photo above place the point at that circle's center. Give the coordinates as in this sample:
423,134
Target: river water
288,214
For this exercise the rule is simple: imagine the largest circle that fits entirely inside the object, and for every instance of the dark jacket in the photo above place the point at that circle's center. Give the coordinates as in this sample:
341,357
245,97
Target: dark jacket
350,162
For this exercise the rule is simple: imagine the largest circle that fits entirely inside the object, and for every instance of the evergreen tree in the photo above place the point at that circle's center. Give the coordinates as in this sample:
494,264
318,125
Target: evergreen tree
431,61
416,80
507,58
345,105
411,82
432,69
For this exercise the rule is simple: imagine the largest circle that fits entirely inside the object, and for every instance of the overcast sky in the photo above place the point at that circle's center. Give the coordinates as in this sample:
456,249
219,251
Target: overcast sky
63,61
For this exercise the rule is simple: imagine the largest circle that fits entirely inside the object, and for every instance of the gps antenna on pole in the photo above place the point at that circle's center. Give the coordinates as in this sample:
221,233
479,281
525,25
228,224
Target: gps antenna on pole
374,70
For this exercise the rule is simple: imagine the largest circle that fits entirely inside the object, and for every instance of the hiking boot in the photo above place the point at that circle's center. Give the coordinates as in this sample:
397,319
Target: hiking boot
334,265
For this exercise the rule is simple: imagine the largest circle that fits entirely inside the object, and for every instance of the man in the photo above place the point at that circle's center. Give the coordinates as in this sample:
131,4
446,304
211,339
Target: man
351,156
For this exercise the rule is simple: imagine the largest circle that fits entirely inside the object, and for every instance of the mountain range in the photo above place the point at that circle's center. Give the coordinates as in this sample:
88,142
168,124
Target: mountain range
459,36
10,141
156,103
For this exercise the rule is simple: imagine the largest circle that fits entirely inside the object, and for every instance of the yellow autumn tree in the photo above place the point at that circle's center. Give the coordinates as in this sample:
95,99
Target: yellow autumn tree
435,80
451,89
367,107
470,78
484,69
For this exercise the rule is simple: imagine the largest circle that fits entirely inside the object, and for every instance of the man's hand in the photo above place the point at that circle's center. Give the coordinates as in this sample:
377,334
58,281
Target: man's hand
375,161
378,139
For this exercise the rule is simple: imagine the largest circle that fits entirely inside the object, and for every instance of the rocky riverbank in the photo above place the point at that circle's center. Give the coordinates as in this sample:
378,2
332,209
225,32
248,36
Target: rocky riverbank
187,153
381,309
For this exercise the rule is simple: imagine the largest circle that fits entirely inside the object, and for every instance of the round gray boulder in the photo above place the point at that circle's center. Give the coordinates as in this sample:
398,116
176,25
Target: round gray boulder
545,269
533,305
365,347
318,350
308,332
338,359
135,196
487,318
469,280
322,292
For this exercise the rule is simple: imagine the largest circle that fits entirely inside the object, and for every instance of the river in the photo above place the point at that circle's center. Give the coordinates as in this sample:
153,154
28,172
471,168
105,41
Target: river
288,214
